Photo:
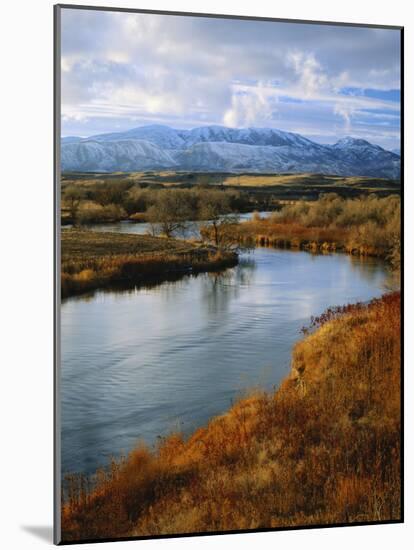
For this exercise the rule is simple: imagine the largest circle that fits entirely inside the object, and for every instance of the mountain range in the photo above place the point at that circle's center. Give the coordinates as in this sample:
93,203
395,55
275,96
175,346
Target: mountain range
221,149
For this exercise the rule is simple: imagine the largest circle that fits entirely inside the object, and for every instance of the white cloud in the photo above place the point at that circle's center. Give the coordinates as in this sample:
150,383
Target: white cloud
311,78
252,108
345,111
192,71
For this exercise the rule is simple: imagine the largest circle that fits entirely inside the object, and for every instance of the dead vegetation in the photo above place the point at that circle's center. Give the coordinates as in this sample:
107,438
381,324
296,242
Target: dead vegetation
93,259
369,226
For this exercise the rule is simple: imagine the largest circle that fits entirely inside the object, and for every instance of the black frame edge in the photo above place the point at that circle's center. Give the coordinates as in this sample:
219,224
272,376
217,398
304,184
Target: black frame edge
228,16
56,275
402,276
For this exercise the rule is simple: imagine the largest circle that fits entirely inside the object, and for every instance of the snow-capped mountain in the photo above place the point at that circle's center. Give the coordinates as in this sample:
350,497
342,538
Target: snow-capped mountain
70,139
229,157
114,156
217,148
163,136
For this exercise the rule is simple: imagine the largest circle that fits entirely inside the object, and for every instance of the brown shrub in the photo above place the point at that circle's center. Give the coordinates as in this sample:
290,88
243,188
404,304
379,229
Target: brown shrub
367,226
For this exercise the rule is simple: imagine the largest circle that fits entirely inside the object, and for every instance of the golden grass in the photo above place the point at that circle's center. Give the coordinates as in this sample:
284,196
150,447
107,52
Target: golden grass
323,449
93,260
308,179
171,178
364,227
293,235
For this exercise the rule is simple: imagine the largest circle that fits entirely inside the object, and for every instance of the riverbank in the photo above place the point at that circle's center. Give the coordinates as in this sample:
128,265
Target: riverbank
368,226
268,232
92,260
325,448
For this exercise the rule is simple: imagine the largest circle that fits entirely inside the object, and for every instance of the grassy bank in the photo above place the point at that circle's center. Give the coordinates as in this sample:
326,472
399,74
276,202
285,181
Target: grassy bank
324,448
93,260
366,226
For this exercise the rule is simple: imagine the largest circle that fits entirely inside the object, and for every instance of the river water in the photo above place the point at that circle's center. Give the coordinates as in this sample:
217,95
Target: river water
141,363
192,230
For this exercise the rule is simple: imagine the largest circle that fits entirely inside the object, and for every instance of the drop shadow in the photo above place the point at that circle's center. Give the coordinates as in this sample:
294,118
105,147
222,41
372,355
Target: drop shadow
43,532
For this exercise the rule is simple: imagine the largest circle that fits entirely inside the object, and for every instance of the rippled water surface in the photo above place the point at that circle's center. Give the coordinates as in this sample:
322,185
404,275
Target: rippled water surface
138,364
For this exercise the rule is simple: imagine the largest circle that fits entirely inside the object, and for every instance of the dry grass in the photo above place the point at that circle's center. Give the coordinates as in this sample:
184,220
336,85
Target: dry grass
268,232
325,448
169,178
360,241
365,226
93,260
292,180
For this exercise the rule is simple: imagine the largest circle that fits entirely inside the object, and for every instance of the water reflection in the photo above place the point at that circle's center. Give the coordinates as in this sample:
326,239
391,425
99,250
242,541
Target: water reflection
222,287
139,363
192,229
370,268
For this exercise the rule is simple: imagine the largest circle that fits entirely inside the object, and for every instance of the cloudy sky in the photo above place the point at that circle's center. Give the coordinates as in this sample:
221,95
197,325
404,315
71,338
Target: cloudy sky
122,70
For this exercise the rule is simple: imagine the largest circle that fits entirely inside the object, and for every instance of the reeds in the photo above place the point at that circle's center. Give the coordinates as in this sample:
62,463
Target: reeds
368,226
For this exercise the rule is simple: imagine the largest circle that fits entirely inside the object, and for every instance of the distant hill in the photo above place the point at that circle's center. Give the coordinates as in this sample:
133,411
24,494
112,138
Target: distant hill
217,148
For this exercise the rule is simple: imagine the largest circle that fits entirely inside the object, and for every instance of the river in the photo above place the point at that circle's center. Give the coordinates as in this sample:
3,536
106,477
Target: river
141,363
192,230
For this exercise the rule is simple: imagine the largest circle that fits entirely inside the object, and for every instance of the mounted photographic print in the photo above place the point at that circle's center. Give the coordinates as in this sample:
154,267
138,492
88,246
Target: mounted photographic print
228,272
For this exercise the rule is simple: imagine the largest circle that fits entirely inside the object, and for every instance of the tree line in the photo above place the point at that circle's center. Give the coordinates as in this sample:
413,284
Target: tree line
83,204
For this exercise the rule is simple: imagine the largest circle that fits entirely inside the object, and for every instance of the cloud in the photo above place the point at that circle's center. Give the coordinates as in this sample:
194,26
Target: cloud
346,112
311,78
253,108
121,69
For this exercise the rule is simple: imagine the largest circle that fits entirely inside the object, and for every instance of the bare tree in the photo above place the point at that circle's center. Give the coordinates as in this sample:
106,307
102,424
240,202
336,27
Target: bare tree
171,212
216,210
72,197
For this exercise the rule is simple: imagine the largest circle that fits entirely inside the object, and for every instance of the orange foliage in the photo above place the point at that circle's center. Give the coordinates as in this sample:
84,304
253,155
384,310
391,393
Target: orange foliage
288,234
